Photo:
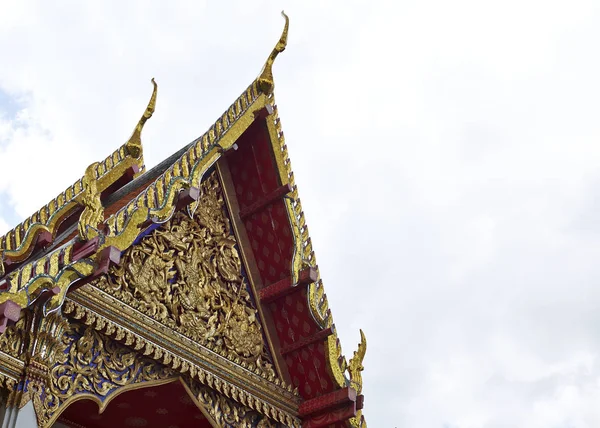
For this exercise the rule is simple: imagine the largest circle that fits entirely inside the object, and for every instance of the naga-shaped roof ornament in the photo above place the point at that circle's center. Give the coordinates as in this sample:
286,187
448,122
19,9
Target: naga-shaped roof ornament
93,212
265,80
355,366
134,144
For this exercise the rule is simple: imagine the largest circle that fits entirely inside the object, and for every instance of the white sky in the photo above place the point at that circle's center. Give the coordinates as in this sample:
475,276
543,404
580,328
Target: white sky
447,155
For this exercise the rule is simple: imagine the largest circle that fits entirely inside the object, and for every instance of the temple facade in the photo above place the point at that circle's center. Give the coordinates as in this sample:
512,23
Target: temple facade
187,295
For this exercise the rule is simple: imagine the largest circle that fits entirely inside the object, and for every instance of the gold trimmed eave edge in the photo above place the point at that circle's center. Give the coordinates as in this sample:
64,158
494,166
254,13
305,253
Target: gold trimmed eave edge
156,203
303,257
286,415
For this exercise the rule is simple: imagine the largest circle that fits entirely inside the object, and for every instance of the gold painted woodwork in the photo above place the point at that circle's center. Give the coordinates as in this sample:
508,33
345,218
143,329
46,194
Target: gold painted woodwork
242,382
13,340
303,257
44,279
225,412
93,211
188,275
157,203
355,366
125,225
17,242
92,366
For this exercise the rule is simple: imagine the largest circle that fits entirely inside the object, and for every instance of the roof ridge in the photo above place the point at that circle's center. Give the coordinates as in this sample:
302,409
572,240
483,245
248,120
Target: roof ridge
19,242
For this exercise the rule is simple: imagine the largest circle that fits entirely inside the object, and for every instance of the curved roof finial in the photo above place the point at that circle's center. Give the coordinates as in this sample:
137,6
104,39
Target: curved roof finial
265,80
356,363
134,144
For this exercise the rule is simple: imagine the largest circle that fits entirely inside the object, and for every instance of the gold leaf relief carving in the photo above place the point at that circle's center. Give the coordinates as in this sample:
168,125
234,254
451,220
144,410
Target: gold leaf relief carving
12,341
187,274
228,413
91,364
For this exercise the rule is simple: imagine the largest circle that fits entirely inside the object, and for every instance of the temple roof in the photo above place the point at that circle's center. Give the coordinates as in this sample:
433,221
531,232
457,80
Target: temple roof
75,237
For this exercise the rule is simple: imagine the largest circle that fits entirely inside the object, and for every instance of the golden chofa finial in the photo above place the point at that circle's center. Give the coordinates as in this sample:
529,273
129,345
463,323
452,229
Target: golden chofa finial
134,144
265,81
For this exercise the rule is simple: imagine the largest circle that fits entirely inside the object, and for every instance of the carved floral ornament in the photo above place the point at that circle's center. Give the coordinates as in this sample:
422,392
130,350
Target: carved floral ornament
95,367
187,274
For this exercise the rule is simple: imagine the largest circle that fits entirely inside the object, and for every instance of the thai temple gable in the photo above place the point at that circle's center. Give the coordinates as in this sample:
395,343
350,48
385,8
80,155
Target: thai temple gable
195,279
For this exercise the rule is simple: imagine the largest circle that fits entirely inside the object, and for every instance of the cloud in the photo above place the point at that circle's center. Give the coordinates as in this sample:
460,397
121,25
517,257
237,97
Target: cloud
446,154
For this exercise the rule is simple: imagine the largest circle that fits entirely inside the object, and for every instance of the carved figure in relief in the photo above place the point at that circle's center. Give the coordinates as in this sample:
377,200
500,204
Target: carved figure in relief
151,278
187,274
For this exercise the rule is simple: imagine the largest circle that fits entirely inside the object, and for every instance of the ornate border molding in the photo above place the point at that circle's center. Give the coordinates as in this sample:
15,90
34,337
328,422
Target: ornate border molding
304,256
245,384
156,204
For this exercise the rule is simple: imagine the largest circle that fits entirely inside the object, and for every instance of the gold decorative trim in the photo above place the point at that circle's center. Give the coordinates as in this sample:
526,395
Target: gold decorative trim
187,275
17,242
157,203
242,382
10,371
102,405
42,281
303,257
92,366
224,412
14,338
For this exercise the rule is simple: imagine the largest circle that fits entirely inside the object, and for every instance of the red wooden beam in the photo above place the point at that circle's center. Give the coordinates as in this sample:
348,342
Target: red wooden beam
284,287
360,402
127,176
299,344
84,249
344,398
108,256
184,198
265,200
330,418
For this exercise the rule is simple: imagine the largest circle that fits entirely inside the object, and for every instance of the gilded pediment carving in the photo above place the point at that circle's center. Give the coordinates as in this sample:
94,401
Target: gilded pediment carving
187,274
92,366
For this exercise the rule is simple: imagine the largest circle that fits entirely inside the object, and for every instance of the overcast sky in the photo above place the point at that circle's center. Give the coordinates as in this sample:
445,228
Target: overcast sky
447,155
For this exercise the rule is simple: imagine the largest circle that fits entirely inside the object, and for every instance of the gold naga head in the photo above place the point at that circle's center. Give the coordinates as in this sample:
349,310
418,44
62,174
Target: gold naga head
355,367
93,212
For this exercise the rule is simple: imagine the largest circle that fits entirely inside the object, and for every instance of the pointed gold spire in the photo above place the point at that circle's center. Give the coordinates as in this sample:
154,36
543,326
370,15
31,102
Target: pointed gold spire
134,144
265,80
